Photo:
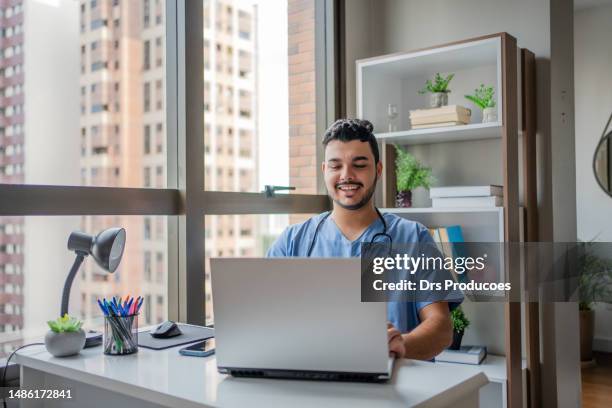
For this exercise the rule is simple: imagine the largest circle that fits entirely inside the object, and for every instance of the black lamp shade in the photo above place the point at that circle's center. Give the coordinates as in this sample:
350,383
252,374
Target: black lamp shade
106,247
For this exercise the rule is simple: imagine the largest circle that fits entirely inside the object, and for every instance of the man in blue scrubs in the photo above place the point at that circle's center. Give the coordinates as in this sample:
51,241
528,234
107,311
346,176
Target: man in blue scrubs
418,330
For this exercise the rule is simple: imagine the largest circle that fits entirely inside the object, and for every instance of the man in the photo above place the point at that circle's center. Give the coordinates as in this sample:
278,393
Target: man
418,330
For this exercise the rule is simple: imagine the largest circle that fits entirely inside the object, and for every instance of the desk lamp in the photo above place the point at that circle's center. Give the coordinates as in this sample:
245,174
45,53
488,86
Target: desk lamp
106,248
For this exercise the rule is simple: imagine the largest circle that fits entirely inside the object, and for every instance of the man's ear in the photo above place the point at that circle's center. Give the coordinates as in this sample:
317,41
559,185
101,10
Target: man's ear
379,169
323,167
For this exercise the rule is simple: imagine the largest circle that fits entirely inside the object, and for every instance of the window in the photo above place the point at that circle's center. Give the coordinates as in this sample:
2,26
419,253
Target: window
147,139
147,96
130,149
147,266
146,12
147,55
95,24
92,283
257,234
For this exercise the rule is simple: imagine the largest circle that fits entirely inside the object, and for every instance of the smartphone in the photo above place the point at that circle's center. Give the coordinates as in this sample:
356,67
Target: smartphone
201,349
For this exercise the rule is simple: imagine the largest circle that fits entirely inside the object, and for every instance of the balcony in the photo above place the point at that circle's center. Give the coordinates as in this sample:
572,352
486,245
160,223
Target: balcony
14,60
13,80
7,318
16,39
15,159
14,279
11,258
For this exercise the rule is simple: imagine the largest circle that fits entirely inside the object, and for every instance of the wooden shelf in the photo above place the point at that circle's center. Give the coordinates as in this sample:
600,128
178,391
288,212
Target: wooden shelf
460,133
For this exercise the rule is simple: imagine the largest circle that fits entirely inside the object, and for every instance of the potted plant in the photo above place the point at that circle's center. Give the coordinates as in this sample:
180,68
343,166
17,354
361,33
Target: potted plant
66,337
595,282
460,323
484,98
410,174
438,88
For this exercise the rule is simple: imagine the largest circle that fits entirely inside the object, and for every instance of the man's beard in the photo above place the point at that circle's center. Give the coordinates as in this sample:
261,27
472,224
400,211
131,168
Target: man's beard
366,198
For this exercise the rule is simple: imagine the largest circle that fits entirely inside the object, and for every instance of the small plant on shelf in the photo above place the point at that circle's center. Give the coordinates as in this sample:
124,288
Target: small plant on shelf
460,323
410,174
438,88
484,98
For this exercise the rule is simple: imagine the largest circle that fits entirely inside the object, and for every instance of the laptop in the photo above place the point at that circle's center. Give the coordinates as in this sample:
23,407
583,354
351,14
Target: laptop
297,318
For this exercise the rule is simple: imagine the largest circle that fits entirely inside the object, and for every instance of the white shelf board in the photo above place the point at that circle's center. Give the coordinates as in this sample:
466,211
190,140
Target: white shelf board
459,133
455,57
442,210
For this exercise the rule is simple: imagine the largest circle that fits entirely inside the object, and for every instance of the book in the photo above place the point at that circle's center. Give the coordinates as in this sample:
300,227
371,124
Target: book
446,239
448,117
442,110
435,125
435,234
461,202
466,191
465,355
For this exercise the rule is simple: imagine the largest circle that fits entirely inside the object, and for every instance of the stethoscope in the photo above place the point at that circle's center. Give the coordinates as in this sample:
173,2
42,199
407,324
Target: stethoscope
379,234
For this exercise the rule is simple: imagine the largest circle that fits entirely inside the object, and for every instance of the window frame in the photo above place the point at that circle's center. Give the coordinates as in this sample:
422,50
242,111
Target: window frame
185,201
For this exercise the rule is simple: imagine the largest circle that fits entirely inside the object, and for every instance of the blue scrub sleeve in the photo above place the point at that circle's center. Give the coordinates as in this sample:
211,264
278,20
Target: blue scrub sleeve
279,247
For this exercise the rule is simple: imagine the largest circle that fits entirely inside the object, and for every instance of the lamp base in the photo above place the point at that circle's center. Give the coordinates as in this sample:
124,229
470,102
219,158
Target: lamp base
92,338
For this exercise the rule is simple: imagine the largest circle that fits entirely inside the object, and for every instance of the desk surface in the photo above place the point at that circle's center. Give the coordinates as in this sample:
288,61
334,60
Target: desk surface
165,377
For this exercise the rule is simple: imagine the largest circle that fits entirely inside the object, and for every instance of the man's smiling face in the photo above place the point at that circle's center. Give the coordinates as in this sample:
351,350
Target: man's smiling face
350,173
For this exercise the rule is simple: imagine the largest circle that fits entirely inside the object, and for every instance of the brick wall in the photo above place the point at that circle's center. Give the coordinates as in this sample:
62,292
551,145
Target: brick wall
302,129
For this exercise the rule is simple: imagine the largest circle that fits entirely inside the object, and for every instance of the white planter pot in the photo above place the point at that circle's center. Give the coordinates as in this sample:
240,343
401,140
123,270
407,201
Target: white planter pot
438,99
489,115
64,344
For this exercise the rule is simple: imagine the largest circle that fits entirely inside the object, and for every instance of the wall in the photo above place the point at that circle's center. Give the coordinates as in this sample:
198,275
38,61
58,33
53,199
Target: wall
544,27
592,61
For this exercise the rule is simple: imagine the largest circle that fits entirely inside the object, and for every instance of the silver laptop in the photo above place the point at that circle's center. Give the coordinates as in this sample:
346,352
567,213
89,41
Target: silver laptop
297,318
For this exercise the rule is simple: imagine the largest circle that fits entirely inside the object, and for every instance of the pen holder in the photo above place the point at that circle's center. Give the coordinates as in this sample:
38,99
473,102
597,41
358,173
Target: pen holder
121,334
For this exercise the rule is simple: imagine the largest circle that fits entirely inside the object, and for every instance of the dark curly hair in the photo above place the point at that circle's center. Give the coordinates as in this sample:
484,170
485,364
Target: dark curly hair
346,130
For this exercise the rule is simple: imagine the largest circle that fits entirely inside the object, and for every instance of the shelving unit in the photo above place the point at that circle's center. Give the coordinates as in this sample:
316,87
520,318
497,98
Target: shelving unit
472,131
472,154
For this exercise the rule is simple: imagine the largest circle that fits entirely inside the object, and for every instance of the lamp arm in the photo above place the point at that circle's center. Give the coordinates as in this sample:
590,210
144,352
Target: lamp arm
68,284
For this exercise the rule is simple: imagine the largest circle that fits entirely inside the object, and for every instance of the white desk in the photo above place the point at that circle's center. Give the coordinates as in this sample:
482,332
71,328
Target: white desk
164,378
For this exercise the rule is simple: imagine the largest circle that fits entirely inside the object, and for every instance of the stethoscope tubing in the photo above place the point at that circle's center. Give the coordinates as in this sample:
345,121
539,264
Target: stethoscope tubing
381,234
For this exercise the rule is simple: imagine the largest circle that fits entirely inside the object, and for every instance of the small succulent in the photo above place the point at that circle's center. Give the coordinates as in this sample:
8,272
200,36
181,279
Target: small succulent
460,321
65,324
439,84
484,97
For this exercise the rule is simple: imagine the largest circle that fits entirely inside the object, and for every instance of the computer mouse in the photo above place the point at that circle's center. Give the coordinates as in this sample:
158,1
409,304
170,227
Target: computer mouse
166,330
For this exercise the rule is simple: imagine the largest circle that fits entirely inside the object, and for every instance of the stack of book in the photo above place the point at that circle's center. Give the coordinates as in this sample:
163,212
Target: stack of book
450,115
467,196
446,239
465,355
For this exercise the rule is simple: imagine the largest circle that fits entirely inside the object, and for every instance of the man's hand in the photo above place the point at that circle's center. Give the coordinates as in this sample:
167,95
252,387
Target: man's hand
396,342
428,339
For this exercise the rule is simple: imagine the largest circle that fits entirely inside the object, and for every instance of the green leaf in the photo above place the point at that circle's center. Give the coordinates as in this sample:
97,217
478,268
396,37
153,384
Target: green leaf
439,84
64,324
484,97
459,320
410,173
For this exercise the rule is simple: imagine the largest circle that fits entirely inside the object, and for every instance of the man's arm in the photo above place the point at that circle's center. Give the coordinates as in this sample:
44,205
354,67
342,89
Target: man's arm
428,339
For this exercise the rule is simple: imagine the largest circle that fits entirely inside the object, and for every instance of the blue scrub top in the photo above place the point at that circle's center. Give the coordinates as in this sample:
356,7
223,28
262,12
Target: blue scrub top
331,243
